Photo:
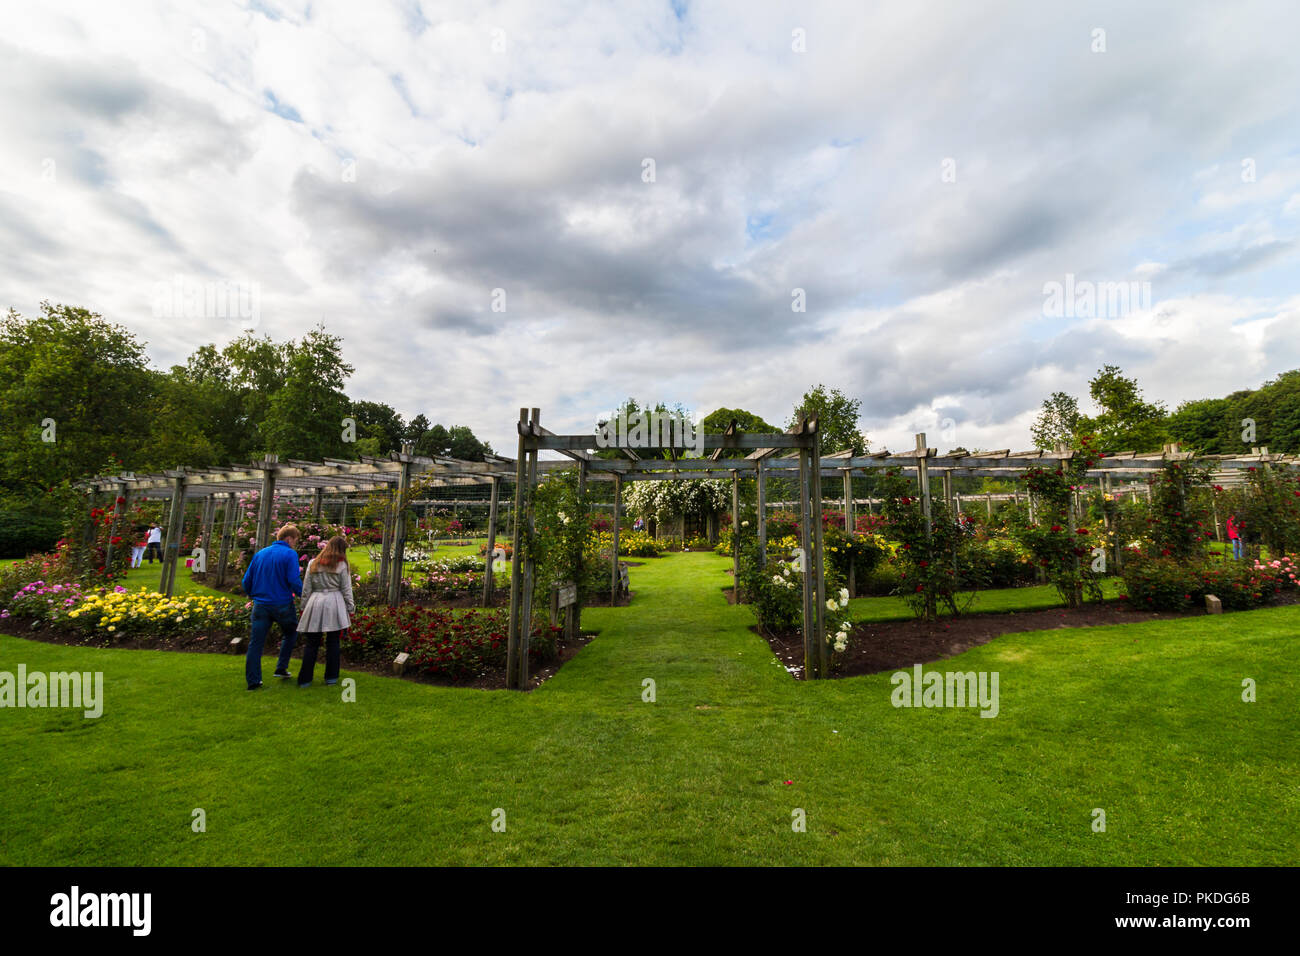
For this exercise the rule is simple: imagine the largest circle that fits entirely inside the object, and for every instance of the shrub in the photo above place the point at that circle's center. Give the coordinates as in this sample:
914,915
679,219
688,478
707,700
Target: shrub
112,614
439,641
638,544
861,552
1161,584
698,543
24,532
998,563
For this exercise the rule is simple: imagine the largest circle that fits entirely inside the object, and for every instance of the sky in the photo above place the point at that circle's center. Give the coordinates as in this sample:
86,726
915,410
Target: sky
946,210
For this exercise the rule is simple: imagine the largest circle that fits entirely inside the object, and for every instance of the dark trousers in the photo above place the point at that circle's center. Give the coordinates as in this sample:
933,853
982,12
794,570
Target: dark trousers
310,647
152,549
264,615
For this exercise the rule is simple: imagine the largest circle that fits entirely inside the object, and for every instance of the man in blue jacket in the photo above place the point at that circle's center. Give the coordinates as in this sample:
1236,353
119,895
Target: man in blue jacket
272,580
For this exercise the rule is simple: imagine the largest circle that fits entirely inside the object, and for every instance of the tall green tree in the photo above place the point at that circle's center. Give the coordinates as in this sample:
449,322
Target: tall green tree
75,390
305,417
837,417
1057,422
1126,422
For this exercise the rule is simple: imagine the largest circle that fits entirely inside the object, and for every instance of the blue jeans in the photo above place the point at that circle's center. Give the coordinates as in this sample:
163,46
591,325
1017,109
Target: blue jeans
1236,549
262,618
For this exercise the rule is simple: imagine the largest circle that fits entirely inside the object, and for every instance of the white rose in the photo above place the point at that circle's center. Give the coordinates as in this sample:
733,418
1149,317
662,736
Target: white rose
844,594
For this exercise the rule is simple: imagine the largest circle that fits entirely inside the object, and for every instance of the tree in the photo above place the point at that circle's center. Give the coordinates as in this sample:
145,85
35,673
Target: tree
837,417
379,423
416,428
1057,422
716,422
630,408
75,389
305,417
1126,422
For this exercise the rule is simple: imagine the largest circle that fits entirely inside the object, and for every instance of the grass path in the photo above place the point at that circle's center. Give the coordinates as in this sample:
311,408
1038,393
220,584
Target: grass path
1142,720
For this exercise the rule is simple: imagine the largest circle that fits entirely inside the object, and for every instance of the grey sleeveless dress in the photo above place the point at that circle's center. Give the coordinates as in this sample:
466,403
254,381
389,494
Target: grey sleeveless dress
327,600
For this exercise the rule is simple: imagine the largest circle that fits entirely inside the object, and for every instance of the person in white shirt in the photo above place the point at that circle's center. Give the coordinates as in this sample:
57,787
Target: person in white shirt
153,544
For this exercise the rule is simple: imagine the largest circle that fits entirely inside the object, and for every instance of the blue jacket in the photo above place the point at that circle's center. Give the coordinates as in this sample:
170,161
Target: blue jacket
272,576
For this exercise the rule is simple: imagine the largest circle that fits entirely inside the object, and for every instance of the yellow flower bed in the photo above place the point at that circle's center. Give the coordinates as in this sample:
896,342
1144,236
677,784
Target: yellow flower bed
122,612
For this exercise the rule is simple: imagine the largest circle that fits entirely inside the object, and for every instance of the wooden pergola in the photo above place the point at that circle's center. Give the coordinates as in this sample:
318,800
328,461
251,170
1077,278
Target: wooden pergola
794,455
220,489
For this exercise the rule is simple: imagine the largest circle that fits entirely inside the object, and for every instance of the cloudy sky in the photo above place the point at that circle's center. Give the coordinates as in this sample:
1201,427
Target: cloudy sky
644,188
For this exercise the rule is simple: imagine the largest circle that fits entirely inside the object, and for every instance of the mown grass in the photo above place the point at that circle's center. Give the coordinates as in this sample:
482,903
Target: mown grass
1144,721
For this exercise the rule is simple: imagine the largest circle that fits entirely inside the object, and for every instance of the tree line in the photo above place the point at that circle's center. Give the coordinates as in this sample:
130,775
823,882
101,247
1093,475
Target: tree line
78,397
1126,421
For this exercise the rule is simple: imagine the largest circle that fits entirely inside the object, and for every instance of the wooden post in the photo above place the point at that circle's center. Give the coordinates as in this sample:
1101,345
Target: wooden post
175,526
386,537
343,518
489,581
762,514
262,533
819,579
735,533
399,526
849,522
317,501
517,555
923,478
923,481
988,504
947,489
530,562
613,560
228,519
811,658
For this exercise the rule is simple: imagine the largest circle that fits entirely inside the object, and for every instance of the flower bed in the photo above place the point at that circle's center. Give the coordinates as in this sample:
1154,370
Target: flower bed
1164,584
441,643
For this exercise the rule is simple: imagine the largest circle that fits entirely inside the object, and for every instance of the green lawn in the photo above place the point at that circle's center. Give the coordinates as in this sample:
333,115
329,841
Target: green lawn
1144,720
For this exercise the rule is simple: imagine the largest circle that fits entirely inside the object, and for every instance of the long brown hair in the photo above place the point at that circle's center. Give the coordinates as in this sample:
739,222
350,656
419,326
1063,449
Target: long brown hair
334,552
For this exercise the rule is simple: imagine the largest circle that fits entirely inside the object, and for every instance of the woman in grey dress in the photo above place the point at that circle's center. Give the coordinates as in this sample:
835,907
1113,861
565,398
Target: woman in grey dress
327,609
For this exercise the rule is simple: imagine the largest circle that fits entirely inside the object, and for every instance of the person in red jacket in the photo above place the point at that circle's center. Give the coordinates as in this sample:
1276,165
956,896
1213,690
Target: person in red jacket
1234,535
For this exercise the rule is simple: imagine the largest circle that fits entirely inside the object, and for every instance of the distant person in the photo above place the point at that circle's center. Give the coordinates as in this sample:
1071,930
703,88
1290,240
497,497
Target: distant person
271,581
137,549
637,525
153,542
327,609
1234,535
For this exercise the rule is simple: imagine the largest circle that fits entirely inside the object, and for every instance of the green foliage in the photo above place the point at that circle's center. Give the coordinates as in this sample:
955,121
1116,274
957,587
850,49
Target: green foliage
1057,422
929,561
1126,421
1056,542
1181,524
837,419
997,563
558,545
1167,584
1269,510
25,532
666,500
86,376
862,552
1219,426
304,418
639,544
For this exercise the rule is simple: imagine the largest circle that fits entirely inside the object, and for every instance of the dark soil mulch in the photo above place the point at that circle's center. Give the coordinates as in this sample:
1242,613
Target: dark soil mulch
889,645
